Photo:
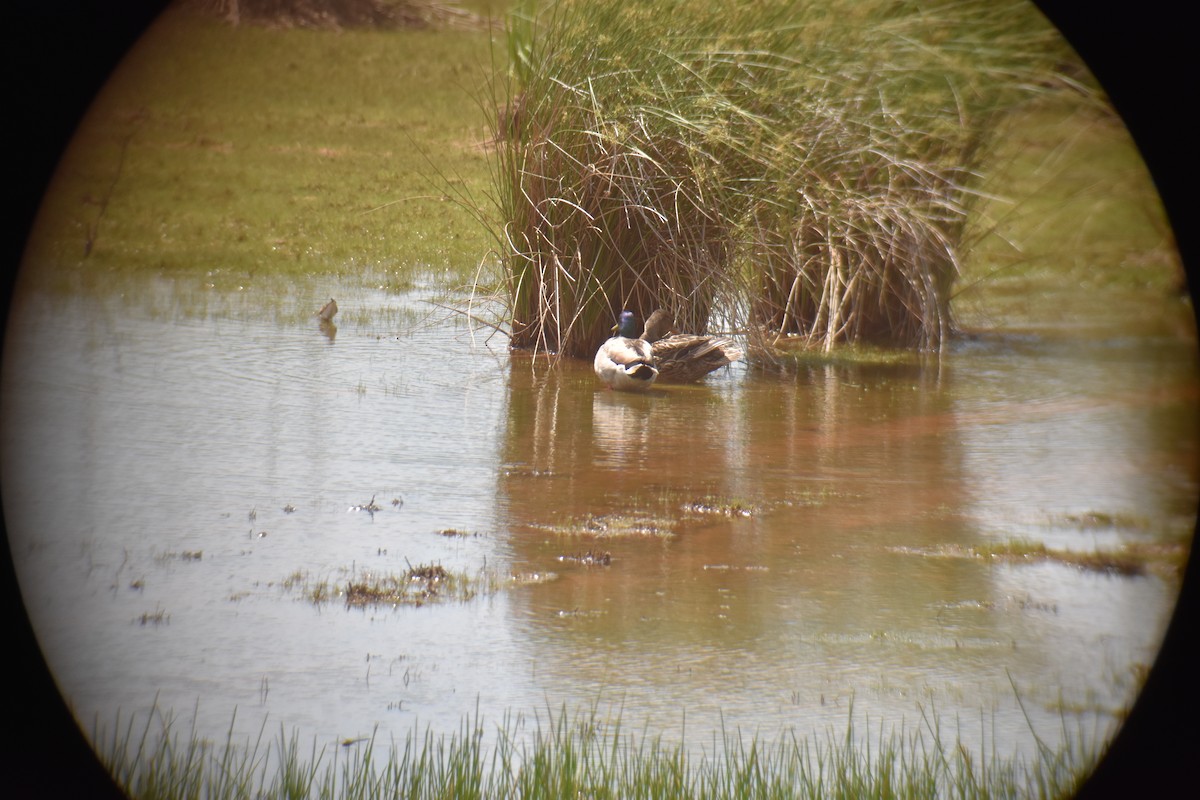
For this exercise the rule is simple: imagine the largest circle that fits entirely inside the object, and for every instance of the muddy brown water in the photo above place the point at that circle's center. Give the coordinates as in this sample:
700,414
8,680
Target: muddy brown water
773,549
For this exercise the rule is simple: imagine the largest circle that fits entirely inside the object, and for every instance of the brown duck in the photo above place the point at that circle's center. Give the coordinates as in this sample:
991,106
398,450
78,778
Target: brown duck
685,357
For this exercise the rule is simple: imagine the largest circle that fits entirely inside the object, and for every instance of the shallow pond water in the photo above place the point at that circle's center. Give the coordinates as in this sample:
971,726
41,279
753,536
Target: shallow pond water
758,552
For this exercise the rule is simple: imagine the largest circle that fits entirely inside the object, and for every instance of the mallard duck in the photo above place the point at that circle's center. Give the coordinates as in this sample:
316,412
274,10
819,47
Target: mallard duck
625,361
631,361
685,357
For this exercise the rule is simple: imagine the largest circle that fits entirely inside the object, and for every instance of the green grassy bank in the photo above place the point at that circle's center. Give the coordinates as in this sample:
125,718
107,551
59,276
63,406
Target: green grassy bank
242,156
233,152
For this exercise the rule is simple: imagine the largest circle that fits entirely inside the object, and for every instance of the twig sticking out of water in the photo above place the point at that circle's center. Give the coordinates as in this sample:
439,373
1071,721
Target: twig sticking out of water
370,507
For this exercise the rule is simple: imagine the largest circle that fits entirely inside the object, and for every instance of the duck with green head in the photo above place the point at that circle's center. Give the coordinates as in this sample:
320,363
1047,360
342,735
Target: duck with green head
635,358
625,362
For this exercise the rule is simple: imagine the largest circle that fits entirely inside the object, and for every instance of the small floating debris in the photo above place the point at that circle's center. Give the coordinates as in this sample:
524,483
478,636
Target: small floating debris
398,503
326,312
370,507
591,558
528,472
253,515
456,533
192,555
731,568
156,618
529,578
578,612
289,508
717,507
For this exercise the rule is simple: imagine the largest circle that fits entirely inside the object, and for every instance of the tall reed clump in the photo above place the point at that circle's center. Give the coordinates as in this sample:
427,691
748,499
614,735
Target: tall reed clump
791,170
605,190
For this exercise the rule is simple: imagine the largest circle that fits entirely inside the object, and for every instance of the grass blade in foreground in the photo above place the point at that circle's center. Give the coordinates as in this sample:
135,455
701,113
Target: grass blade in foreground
586,755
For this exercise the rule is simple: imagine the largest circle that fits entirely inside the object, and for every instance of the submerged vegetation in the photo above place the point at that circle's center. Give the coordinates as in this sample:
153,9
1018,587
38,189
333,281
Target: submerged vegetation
587,755
1131,559
245,158
416,586
1128,559
798,173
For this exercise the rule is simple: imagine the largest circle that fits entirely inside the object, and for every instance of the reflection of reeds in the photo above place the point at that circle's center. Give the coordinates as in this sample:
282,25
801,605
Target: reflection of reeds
789,172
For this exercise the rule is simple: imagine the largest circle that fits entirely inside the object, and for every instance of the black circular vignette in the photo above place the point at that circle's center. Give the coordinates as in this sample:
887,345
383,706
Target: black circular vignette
59,55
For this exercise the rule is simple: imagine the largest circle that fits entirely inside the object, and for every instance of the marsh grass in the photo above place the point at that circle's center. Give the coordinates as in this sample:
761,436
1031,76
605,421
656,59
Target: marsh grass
803,175
414,587
615,526
419,585
1132,558
719,506
1166,559
586,754
250,156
